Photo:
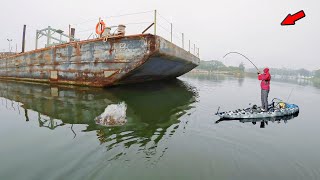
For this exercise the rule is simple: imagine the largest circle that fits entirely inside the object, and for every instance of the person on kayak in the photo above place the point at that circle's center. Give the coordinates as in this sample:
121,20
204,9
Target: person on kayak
265,87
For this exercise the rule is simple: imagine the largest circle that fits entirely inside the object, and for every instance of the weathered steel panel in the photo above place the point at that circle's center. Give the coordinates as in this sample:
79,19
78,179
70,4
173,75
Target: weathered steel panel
169,61
90,62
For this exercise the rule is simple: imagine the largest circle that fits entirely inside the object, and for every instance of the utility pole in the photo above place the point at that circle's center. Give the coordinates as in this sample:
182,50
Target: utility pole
9,40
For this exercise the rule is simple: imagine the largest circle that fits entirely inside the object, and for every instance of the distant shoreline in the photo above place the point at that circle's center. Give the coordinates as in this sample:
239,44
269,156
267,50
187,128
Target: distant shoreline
251,74
197,71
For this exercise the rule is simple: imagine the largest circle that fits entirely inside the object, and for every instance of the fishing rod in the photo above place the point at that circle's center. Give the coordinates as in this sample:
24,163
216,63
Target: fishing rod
244,57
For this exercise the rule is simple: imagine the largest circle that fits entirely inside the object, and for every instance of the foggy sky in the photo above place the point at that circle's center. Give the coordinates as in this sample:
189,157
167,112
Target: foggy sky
251,27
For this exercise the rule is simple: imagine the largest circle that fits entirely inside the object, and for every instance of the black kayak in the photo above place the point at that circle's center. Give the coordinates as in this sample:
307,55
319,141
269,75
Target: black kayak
277,108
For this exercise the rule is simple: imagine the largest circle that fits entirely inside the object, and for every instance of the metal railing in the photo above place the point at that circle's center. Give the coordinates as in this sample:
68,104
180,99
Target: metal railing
146,22
174,37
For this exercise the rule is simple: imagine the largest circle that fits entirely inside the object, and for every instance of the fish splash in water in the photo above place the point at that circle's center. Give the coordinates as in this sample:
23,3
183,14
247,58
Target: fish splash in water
113,115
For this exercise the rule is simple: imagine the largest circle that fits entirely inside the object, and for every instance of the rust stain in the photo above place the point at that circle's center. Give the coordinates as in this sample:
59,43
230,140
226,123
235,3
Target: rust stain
89,69
47,57
111,47
54,55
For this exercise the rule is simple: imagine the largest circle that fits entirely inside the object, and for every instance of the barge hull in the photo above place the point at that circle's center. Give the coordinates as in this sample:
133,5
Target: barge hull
101,62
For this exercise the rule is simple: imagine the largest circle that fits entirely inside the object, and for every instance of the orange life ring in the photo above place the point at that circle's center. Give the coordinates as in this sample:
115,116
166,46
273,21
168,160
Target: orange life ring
100,30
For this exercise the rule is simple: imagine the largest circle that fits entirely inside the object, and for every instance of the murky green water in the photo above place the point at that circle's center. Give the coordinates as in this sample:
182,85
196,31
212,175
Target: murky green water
49,132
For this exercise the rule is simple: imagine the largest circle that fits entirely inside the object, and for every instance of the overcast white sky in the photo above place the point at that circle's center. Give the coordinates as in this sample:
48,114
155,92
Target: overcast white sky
251,27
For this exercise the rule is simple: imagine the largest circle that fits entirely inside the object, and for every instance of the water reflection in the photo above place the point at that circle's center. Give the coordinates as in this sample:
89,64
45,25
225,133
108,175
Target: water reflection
316,84
263,122
240,81
212,77
154,109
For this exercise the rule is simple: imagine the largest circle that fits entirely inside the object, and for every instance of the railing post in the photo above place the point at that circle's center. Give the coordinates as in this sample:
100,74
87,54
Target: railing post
182,41
189,45
69,32
171,31
100,27
72,35
37,37
198,53
155,22
49,36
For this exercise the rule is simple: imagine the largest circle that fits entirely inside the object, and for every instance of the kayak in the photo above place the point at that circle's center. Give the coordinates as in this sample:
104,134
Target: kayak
278,119
277,108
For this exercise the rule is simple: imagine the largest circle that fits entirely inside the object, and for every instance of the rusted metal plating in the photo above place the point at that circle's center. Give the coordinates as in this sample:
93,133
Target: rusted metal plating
100,62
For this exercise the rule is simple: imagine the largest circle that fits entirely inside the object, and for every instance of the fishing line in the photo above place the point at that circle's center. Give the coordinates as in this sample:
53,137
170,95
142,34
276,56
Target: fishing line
244,57
290,94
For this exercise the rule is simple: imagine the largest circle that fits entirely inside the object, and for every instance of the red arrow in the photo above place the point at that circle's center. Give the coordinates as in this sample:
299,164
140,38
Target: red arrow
291,19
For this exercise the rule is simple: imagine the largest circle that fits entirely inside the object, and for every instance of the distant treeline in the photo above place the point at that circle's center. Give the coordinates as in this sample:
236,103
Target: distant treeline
317,73
218,66
283,73
212,66
288,72
316,78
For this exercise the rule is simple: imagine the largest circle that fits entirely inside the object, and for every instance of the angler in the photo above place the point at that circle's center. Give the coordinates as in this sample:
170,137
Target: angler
265,88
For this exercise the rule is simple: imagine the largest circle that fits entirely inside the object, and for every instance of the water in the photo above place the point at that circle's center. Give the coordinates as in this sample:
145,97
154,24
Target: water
48,132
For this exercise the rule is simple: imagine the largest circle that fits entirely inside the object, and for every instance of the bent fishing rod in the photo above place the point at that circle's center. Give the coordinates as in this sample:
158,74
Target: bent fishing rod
244,57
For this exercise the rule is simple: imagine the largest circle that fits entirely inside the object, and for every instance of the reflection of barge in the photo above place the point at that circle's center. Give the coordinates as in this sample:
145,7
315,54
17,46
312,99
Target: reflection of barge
101,62
151,117
82,105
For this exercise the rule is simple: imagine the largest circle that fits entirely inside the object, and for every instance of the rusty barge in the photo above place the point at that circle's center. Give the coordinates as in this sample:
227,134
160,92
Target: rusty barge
101,62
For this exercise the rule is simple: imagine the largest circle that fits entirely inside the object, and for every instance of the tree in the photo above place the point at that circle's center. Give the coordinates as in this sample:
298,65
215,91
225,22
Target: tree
241,67
304,72
317,73
211,65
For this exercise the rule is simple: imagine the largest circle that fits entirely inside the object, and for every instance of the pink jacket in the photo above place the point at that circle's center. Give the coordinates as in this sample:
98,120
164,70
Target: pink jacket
265,79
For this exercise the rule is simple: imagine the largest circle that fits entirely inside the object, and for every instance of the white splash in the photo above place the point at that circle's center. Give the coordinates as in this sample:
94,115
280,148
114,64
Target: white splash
113,115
